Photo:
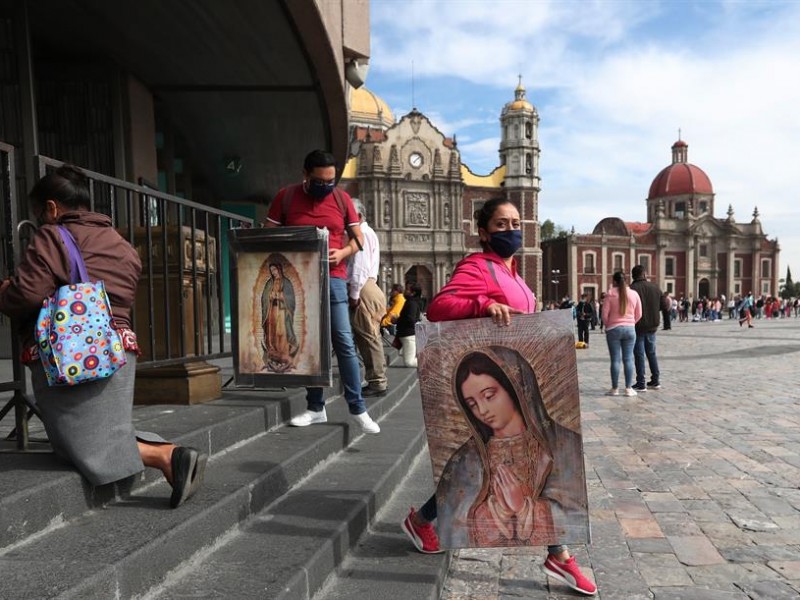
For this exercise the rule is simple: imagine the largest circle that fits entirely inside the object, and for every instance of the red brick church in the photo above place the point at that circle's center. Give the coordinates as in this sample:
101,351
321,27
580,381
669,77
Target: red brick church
683,246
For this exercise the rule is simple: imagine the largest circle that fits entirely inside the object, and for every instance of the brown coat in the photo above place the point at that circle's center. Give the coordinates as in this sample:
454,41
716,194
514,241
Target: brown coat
46,267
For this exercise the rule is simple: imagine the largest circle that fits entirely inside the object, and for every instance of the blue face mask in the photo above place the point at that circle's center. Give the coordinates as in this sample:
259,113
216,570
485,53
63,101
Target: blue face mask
505,243
319,189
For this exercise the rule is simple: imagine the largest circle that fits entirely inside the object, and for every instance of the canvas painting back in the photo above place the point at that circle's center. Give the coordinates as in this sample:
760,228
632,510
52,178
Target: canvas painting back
502,415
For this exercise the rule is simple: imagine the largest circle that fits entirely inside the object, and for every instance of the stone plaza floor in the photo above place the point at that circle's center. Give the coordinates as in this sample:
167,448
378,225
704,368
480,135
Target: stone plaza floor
694,490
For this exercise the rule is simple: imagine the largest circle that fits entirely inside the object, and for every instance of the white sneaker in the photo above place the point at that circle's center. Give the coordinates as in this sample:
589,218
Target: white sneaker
366,423
309,417
612,392
630,392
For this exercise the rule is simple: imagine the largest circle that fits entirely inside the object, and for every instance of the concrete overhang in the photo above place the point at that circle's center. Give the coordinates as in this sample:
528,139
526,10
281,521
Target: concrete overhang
261,80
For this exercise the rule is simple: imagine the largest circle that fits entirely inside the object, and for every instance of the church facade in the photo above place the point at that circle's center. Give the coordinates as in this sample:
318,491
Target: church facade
420,198
684,248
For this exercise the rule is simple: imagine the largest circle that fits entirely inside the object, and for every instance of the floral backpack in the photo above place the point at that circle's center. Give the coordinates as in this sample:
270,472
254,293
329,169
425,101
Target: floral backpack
76,339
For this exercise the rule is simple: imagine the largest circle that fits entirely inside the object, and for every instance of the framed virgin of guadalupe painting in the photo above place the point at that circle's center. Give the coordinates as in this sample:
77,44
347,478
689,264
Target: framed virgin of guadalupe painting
280,313
502,416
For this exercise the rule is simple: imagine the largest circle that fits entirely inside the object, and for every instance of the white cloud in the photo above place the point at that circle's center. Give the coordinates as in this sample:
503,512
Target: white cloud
613,82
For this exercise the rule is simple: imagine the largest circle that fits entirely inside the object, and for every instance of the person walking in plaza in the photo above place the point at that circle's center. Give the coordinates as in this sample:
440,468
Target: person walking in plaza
317,203
407,322
646,329
89,425
666,311
367,306
487,284
746,311
621,310
585,317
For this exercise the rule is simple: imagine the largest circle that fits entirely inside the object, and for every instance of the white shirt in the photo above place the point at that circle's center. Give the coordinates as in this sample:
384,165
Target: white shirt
365,264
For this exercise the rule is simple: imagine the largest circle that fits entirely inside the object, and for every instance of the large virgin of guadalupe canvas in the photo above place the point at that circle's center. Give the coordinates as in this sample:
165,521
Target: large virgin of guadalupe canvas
502,414
279,320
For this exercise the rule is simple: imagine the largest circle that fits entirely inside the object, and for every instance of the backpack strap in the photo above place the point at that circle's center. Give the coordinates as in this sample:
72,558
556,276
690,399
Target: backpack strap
77,269
337,193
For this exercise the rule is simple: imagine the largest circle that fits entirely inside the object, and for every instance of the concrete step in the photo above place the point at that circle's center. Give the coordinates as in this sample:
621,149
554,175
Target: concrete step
37,492
289,549
124,547
384,563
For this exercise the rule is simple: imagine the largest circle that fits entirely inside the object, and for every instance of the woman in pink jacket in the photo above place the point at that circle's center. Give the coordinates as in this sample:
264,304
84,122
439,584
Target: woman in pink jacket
621,309
487,284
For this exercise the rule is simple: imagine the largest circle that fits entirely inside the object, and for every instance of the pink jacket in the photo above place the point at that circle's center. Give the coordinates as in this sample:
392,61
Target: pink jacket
479,280
611,316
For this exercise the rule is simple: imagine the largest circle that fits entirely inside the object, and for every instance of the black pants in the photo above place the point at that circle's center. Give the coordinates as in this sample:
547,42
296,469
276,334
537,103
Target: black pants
583,330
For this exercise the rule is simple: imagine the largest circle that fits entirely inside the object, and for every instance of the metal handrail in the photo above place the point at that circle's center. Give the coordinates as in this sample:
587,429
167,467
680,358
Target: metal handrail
153,221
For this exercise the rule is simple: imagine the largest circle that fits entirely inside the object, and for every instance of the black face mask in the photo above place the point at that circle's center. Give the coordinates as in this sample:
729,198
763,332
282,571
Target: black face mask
505,243
319,189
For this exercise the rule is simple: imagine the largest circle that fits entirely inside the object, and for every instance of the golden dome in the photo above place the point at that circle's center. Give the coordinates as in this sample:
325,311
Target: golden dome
519,102
519,105
366,108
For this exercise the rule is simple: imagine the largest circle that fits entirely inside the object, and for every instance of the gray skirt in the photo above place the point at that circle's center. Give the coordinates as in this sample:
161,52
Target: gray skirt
90,425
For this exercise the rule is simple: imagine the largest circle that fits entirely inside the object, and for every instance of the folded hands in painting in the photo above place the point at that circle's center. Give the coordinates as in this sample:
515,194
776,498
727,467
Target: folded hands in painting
509,490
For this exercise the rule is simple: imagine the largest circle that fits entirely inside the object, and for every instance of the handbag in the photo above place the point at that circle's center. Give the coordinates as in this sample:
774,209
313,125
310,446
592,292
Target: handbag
396,343
74,332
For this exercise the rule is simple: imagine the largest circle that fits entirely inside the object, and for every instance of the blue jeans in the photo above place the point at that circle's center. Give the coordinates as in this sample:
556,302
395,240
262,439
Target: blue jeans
621,341
345,348
645,346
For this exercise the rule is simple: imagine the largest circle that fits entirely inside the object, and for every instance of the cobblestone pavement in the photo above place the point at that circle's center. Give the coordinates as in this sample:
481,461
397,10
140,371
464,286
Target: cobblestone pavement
694,490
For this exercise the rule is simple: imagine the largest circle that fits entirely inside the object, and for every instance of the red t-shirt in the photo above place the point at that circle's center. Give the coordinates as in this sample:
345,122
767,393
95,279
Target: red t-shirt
305,210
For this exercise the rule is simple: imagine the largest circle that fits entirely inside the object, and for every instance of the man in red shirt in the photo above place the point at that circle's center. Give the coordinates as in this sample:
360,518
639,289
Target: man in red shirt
313,203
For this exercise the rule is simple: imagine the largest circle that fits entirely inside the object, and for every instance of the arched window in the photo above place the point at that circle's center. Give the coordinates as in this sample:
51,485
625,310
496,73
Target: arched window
528,129
528,163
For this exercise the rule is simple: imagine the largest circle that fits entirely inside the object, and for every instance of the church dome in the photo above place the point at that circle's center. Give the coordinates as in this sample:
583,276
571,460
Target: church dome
680,177
519,102
368,109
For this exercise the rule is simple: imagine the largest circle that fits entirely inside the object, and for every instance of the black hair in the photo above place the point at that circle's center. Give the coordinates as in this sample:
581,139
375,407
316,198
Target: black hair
484,213
478,363
637,272
397,288
415,288
67,185
318,158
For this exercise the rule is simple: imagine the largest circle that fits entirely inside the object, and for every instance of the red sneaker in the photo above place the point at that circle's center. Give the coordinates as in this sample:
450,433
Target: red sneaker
569,573
423,536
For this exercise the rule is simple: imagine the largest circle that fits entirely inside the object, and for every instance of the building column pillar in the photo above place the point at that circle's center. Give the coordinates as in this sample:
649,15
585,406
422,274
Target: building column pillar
756,281
731,265
690,282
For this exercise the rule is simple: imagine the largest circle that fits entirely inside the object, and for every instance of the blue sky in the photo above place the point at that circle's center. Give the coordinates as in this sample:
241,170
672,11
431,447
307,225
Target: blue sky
613,81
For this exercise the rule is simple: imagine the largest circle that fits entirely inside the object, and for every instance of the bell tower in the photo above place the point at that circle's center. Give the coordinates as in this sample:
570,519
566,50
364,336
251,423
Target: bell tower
519,153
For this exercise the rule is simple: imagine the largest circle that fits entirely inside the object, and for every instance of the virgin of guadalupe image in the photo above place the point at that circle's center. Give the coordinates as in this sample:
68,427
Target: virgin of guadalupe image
518,479
277,319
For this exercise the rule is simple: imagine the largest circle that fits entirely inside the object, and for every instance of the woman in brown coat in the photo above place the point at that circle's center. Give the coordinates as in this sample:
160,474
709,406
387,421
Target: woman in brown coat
89,425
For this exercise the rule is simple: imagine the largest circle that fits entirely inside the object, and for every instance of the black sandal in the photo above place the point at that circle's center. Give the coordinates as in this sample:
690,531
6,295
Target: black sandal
188,467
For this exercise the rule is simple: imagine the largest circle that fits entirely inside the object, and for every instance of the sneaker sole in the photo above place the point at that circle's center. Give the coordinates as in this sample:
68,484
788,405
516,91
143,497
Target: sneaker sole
321,422
565,581
416,539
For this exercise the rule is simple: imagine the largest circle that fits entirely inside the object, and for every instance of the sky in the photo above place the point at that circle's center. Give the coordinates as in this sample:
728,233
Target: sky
613,83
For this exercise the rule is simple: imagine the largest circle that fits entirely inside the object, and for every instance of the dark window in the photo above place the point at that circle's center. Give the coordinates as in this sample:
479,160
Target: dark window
669,267
588,265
